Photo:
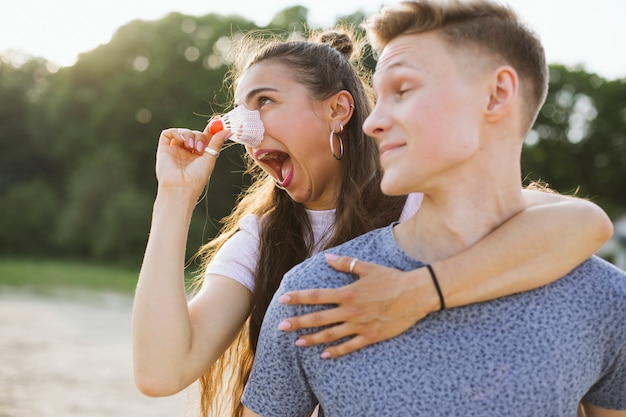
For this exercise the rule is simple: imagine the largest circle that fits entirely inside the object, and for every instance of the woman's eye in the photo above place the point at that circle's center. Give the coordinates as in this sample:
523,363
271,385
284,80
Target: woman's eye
264,100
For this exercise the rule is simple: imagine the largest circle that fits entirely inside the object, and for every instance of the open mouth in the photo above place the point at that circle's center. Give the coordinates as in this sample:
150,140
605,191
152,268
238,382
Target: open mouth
279,163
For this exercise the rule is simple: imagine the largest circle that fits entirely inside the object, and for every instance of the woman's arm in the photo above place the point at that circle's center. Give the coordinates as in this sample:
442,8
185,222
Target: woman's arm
552,236
249,413
588,410
173,342
537,246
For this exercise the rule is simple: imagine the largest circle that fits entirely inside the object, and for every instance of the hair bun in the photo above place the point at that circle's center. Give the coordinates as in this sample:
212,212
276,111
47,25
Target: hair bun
340,41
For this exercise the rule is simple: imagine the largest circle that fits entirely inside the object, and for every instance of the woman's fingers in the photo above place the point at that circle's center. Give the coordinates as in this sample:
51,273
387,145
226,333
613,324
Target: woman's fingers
194,140
345,263
349,346
316,319
382,303
314,296
183,160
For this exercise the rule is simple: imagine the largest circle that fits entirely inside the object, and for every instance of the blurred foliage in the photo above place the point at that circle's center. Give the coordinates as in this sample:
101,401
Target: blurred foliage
58,276
578,144
77,162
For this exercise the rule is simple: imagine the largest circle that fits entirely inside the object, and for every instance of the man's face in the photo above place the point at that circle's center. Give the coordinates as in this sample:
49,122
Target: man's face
427,116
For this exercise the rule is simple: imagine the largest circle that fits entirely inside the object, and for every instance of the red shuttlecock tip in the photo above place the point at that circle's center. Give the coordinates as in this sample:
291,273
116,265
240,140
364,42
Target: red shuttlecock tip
215,125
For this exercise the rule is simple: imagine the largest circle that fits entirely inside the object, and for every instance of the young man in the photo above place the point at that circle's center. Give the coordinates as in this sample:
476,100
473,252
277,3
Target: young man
458,86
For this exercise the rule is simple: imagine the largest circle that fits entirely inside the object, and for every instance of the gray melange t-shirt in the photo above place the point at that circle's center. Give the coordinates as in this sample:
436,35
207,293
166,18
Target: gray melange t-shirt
537,353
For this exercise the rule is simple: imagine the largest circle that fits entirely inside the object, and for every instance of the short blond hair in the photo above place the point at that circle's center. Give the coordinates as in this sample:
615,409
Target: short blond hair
481,26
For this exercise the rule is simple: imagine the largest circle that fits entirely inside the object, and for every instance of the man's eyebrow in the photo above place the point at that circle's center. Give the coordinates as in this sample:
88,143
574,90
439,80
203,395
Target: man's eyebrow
255,92
396,64
393,66
385,69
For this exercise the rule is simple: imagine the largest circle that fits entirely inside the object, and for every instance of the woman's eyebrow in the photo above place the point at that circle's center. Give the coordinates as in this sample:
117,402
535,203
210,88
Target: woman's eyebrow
257,91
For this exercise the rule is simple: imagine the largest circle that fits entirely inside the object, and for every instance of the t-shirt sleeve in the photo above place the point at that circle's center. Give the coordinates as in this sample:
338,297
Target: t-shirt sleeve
610,391
277,386
237,258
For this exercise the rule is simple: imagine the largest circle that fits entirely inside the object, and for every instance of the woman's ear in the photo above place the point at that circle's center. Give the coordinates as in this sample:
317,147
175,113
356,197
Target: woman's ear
342,107
503,92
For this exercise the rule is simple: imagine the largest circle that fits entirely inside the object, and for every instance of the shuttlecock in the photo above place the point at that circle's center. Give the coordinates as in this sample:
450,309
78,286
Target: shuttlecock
245,124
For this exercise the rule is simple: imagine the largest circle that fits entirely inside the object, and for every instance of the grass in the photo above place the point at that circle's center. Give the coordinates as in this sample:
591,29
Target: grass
46,275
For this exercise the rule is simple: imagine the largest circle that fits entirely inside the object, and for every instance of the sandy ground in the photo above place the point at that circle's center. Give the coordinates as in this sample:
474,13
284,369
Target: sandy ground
70,356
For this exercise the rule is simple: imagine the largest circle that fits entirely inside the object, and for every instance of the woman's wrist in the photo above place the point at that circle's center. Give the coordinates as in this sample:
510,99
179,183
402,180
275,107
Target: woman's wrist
178,192
433,276
425,293
175,201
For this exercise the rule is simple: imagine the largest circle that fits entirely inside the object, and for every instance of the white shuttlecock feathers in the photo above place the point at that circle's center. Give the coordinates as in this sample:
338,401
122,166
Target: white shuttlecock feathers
245,124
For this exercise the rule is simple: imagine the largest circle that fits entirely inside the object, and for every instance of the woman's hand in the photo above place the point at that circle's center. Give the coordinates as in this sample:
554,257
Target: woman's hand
181,159
383,303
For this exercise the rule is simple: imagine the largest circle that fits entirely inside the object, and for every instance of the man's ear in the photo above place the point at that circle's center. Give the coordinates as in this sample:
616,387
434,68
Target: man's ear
342,107
503,92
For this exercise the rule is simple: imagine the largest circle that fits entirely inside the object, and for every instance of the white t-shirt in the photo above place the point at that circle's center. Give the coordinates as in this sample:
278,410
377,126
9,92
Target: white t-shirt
238,257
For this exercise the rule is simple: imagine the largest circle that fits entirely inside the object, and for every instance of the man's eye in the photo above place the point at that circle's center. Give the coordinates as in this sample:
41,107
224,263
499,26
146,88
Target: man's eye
402,91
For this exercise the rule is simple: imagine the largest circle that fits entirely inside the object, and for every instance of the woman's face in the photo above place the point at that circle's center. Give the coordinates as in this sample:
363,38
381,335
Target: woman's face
295,149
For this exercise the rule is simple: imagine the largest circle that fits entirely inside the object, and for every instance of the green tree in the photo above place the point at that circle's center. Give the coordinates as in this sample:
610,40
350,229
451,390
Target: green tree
103,116
27,201
578,143
78,145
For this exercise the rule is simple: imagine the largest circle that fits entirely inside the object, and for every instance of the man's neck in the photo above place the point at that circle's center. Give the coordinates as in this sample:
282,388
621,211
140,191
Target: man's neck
448,223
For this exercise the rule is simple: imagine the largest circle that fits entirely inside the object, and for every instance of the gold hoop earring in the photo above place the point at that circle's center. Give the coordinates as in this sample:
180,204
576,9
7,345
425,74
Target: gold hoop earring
332,145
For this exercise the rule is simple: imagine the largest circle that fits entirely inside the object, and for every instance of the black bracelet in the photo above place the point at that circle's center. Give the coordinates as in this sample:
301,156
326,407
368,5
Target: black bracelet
436,282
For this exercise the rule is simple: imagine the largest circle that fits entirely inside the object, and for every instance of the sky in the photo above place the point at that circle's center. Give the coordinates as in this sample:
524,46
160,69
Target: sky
574,32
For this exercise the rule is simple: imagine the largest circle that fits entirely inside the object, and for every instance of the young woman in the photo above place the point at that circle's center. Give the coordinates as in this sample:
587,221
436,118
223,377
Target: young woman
316,185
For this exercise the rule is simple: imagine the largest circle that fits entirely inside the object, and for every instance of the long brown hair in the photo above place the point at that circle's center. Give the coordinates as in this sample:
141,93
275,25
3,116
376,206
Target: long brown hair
324,65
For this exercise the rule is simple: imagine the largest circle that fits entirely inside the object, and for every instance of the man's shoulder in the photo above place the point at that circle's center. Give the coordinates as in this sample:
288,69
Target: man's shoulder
594,292
597,268
372,239
601,279
315,271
